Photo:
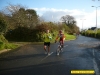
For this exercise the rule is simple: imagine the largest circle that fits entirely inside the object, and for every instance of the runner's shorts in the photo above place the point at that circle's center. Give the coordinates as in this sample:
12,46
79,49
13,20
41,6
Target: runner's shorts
47,43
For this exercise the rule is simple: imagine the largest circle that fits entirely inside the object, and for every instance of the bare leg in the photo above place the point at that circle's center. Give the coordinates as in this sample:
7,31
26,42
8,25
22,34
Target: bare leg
45,47
62,45
48,49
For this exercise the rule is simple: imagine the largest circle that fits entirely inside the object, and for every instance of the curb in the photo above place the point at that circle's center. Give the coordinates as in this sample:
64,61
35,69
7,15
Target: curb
5,50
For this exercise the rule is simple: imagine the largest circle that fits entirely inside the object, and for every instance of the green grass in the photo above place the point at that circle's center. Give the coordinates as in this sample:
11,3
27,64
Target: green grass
69,37
7,46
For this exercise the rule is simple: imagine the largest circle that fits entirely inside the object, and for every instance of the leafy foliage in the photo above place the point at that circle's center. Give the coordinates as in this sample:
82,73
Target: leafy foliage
3,26
71,23
68,20
4,43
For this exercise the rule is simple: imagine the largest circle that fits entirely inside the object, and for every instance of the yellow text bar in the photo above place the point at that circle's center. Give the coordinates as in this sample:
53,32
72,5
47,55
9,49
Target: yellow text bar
82,71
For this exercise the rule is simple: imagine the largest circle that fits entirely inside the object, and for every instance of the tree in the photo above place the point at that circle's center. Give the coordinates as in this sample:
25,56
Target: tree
74,28
32,18
3,25
71,23
12,9
12,15
18,15
68,20
20,18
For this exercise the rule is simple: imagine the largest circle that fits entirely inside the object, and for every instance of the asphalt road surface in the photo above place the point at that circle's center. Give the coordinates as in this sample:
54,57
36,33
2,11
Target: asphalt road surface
80,54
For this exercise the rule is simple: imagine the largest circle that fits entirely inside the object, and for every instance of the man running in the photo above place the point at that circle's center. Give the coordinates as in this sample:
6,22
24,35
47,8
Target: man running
61,37
47,38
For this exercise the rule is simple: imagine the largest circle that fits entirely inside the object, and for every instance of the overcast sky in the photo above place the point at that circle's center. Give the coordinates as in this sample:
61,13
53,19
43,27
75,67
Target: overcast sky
53,10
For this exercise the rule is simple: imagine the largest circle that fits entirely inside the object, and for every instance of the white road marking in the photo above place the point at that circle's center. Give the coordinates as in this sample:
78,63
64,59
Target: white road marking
65,45
50,53
47,56
95,65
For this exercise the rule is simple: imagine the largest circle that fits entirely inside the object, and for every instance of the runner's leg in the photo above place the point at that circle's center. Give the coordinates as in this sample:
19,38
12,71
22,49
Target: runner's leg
45,46
48,48
62,43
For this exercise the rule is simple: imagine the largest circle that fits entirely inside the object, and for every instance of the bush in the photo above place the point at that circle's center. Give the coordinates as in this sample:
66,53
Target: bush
10,46
2,45
3,26
98,35
7,46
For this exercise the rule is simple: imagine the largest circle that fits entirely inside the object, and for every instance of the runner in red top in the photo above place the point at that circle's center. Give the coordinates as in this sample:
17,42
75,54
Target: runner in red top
61,37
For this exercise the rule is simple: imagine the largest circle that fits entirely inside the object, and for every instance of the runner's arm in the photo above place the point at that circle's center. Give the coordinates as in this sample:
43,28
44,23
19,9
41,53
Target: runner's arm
56,38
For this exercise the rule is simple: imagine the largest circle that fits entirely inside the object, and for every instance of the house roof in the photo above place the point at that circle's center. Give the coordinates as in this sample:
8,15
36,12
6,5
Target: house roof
93,28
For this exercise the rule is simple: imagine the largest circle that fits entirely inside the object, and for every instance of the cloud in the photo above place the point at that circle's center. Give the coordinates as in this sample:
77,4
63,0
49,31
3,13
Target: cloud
54,15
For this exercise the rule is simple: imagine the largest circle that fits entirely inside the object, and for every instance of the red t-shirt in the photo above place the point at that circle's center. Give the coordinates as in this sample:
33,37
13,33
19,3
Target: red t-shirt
61,37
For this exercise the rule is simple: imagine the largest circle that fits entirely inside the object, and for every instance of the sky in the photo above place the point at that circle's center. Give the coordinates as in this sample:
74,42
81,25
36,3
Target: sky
53,10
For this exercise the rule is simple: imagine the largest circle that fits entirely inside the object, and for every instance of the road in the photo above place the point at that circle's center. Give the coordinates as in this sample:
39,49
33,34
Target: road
80,54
